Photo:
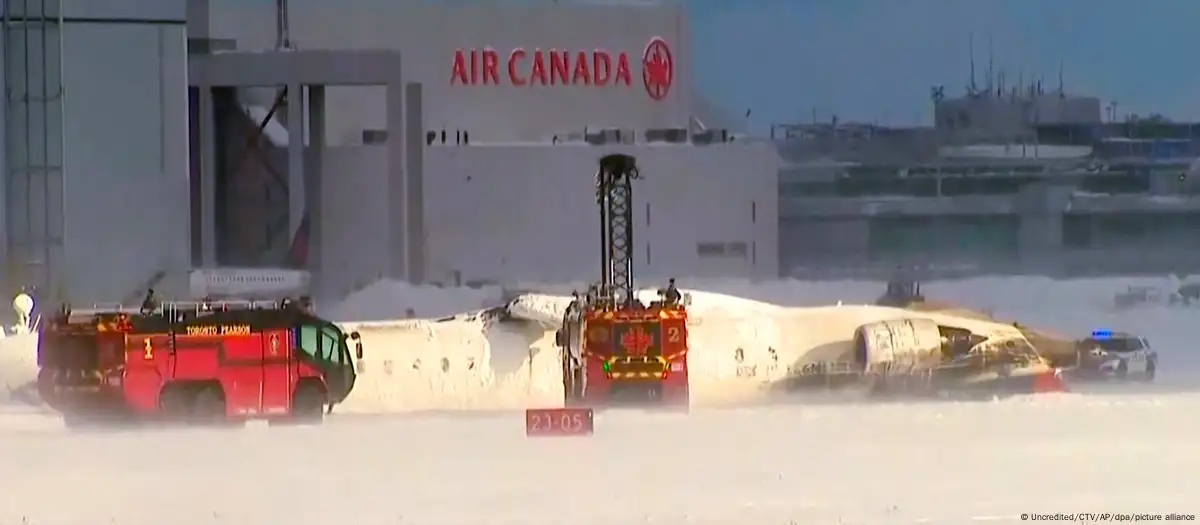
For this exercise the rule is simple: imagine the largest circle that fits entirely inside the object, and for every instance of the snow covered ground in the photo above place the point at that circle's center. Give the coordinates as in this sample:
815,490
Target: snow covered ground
1119,450
933,463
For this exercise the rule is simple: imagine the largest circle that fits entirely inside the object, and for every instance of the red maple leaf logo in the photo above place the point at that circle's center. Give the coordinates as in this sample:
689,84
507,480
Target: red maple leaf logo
658,68
636,341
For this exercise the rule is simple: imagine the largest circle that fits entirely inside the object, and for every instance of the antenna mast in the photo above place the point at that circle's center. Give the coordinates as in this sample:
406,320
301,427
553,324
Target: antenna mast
1061,89
972,88
991,79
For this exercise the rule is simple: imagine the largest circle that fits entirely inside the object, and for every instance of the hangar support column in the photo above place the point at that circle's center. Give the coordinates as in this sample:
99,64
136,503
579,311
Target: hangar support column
340,254
206,149
313,182
414,164
297,182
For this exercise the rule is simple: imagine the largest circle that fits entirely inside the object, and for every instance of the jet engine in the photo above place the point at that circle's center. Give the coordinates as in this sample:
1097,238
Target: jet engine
905,345
898,347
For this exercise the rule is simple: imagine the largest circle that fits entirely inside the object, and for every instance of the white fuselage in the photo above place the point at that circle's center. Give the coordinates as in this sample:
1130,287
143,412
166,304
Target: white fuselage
737,349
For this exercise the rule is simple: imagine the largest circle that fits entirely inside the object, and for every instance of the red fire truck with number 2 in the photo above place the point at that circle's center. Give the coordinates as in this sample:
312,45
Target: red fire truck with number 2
615,349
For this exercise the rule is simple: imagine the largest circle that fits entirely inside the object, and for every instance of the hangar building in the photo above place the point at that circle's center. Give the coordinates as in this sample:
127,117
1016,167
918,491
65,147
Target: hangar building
439,142
94,146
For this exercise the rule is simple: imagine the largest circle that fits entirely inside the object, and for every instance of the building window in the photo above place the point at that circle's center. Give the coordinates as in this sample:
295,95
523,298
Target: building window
711,250
737,249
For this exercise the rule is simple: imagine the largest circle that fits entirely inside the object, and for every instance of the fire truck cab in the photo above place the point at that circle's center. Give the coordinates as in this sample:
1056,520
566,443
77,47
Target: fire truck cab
196,362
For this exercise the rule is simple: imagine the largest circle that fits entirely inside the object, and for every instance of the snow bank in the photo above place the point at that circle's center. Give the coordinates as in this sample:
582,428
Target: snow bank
18,367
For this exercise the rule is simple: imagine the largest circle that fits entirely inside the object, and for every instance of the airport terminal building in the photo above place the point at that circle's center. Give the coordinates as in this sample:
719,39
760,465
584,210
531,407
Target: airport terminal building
1017,179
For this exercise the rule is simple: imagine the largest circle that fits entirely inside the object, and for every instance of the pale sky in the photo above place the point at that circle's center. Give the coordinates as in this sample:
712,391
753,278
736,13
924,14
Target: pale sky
875,60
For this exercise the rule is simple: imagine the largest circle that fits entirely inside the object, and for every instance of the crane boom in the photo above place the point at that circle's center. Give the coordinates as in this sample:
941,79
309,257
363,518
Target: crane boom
614,194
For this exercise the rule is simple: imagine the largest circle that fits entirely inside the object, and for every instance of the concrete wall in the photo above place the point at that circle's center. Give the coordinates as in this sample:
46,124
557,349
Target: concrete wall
429,34
509,213
120,203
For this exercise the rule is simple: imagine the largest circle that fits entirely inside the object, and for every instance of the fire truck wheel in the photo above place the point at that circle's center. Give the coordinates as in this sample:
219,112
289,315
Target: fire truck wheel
209,406
308,404
175,403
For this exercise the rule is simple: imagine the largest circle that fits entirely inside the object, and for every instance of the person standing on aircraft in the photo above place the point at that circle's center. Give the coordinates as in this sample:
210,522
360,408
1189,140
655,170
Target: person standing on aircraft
149,302
672,295
575,307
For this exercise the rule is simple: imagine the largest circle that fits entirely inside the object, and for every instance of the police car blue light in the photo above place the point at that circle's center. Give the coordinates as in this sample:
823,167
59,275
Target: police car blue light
1102,334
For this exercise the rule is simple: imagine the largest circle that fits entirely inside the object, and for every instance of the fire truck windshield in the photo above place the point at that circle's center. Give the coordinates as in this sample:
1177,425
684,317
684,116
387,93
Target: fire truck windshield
325,343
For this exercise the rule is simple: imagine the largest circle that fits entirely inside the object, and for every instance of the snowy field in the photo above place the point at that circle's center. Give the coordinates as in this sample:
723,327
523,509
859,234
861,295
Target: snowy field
1098,450
936,463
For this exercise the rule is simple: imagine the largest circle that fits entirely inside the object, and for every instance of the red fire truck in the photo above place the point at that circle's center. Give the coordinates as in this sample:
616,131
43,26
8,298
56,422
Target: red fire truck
630,355
195,362
616,349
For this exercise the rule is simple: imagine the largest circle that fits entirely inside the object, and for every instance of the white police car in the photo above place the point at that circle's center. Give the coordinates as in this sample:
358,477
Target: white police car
1116,355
